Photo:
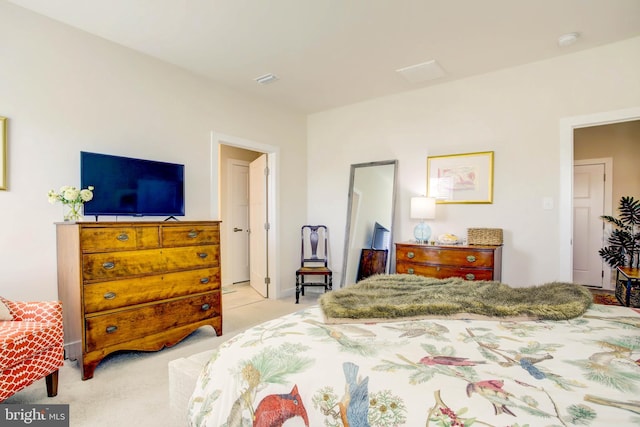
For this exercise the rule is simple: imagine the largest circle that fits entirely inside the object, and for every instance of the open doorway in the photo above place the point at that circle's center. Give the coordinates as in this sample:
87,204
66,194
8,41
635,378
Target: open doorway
606,155
568,128
233,157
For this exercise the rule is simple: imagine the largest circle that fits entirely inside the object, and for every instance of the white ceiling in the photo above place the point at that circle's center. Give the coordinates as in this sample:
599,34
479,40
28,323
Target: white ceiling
329,53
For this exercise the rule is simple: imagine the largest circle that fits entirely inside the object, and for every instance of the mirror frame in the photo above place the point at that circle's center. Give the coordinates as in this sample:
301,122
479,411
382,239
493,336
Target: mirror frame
354,168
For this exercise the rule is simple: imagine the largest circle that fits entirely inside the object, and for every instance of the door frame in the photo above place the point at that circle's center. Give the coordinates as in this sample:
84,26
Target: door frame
565,199
607,206
273,253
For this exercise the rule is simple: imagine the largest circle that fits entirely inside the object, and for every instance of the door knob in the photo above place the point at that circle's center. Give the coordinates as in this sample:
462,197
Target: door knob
236,229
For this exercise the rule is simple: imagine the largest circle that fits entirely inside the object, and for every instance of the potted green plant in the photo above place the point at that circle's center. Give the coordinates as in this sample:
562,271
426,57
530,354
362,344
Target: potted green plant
624,240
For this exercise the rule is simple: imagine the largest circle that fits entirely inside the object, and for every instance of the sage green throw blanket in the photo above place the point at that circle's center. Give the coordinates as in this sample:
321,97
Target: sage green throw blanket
402,296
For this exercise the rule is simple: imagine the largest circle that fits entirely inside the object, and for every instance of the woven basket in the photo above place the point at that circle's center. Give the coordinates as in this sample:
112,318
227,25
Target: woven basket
484,236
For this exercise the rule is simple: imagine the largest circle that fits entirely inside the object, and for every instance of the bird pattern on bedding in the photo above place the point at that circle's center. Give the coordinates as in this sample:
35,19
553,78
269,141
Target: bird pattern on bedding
298,371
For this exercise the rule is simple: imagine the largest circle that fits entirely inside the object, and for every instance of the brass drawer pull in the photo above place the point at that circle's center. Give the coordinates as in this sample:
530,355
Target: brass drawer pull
409,270
123,237
110,295
192,234
109,265
410,255
111,329
205,307
203,255
471,258
470,276
204,280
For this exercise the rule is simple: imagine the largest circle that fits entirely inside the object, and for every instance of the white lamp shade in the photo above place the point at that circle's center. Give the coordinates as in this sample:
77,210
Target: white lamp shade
423,207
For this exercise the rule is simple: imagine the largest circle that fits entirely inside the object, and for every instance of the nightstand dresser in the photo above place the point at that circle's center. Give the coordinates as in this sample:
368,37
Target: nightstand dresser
470,262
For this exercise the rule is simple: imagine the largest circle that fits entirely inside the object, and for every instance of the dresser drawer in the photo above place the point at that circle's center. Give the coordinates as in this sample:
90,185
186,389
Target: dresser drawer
192,257
190,235
442,272
100,296
126,325
114,265
446,256
102,239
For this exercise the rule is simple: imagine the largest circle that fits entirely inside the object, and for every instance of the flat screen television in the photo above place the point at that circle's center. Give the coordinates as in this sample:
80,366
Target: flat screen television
132,187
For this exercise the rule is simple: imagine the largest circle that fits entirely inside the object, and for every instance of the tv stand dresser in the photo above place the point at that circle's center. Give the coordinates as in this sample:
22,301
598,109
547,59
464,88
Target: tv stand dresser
136,285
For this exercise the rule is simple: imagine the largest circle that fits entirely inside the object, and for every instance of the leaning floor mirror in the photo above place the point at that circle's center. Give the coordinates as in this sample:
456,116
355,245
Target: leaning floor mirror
368,237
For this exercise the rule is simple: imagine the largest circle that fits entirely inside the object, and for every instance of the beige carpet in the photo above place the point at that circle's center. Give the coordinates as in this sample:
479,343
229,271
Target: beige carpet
132,388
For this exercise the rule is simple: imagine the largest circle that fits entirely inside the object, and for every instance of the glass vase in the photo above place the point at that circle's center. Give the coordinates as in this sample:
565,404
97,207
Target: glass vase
72,211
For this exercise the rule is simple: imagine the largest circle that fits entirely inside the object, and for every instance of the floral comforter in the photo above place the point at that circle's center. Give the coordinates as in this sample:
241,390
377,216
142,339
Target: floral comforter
298,371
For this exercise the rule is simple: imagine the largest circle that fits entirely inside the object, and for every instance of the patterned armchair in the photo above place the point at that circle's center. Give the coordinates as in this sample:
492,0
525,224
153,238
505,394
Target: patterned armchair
31,345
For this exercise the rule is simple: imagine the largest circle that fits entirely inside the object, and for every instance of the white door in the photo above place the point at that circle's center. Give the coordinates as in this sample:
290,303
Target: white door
239,199
258,225
588,227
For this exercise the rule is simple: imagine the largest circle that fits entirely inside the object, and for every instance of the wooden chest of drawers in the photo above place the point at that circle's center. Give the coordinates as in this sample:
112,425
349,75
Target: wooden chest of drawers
473,262
136,285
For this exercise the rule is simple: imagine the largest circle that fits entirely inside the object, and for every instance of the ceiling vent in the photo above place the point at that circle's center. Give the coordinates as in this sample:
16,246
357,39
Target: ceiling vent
423,72
266,79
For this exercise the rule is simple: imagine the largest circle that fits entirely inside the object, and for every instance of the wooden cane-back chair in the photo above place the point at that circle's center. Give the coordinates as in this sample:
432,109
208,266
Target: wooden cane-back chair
314,259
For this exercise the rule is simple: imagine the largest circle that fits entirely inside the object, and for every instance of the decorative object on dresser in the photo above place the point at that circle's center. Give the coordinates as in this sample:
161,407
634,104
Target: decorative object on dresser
484,236
422,208
72,199
471,262
136,285
448,239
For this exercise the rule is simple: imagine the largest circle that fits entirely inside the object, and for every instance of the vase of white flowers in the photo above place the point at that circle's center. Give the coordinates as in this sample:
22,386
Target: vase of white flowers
72,200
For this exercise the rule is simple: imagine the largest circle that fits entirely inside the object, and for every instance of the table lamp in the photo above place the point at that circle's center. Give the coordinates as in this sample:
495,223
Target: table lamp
422,208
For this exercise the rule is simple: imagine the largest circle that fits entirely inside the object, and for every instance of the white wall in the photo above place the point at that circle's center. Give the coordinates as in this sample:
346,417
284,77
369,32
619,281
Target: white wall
515,112
65,91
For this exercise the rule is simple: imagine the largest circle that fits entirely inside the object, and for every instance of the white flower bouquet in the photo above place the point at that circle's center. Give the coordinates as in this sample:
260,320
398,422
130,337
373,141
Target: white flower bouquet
73,198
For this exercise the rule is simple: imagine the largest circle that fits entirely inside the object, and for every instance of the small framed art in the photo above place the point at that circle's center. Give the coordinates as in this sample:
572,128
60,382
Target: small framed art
461,178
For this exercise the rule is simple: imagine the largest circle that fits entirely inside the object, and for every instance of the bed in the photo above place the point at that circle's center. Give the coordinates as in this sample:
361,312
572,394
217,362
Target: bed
298,370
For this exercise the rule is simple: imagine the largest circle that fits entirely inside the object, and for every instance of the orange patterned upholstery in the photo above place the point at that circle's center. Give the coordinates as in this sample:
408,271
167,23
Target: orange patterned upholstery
31,346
